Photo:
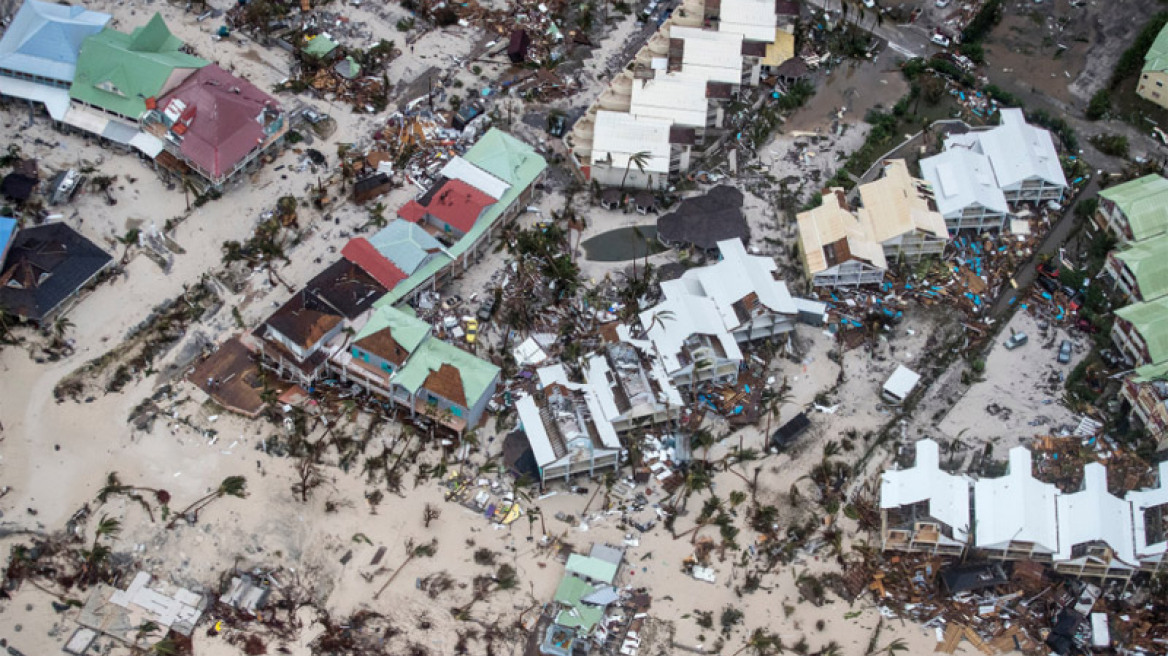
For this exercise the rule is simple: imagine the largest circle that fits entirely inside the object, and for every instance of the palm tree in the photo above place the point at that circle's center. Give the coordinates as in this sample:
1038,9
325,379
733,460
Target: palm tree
895,646
638,159
660,316
702,439
7,319
773,404
763,643
235,486
113,485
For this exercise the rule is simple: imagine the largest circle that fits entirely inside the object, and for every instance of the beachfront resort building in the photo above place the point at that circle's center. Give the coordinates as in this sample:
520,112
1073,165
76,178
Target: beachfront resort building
965,190
899,212
924,508
1022,157
44,269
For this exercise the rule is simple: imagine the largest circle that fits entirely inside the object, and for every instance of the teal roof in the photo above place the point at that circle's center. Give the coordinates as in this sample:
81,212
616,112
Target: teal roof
407,330
118,72
1156,58
1144,201
593,568
477,375
504,157
578,615
406,244
1148,262
1151,320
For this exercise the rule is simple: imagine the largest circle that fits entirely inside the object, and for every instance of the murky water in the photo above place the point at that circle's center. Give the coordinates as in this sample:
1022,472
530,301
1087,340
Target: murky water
623,244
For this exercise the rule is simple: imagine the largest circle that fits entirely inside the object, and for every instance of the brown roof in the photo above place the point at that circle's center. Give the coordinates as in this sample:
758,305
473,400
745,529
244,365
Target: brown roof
236,380
302,324
446,382
383,345
754,48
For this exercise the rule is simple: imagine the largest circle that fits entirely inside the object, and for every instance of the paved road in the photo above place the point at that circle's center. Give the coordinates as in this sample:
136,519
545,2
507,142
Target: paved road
907,40
1054,240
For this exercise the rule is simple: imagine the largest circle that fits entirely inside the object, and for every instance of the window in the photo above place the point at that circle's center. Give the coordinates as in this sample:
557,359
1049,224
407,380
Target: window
385,367
456,411
356,352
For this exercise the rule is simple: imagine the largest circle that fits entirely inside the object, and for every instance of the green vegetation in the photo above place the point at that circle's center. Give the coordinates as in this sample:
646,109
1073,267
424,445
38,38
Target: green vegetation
1057,125
1100,105
1111,144
1002,96
1131,62
983,23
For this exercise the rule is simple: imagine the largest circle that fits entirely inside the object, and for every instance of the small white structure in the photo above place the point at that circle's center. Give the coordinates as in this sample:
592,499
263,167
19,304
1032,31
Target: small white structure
1100,632
1016,516
1150,510
120,613
924,508
900,384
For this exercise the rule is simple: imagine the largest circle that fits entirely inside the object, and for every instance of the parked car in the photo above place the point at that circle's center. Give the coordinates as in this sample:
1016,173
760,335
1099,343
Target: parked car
1086,326
487,308
451,302
1047,270
650,8
1064,356
1048,284
472,331
1016,340
941,4
941,40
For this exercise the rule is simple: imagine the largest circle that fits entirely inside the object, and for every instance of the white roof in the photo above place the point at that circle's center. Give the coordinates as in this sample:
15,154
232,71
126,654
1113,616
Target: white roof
1141,500
1094,514
537,437
529,352
460,169
755,20
716,56
961,178
556,374
147,143
618,136
55,100
702,301
1016,507
677,98
1016,150
948,495
902,381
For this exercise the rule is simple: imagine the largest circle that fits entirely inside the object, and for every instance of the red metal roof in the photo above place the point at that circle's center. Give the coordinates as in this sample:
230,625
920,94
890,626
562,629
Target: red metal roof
360,252
225,114
412,211
455,203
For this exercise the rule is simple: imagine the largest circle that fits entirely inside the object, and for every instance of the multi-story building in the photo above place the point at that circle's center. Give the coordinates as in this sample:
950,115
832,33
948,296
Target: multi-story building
836,248
1154,76
899,213
924,508
1140,332
1025,164
965,190
1135,210
1140,271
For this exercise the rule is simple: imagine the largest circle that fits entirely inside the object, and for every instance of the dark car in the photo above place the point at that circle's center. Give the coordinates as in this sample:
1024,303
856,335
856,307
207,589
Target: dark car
1064,354
486,309
1047,270
1049,285
1086,326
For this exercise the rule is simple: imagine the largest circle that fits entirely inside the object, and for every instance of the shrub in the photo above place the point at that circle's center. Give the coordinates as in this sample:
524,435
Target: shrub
1099,105
1132,60
1111,144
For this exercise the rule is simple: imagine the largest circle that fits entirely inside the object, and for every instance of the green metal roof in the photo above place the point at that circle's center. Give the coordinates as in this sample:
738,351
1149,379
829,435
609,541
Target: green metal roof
504,157
1156,58
407,330
319,46
1151,320
1151,372
1148,262
593,568
579,615
118,72
1144,201
477,375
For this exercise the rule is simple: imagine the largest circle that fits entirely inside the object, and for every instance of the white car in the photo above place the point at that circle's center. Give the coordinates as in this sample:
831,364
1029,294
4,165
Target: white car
941,40
870,3
941,4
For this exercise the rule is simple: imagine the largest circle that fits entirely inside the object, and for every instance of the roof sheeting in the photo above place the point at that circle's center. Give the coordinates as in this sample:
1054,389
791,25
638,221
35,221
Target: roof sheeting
962,178
460,169
1094,514
948,495
619,136
828,224
453,202
45,265
715,56
44,39
1144,202
406,244
537,437
477,375
361,253
705,221
1150,319
592,568
1017,151
8,227
408,331
781,49
1156,59
229,118
118,72
1148,262
898,204
755,20
1016,507
902,382
677,98
55,100
578,615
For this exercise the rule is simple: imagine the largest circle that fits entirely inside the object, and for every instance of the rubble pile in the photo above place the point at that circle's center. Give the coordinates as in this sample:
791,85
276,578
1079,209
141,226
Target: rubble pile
1060,461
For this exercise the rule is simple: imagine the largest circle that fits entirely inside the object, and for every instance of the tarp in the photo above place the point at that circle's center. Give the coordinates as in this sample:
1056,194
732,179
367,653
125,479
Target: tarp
148,144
